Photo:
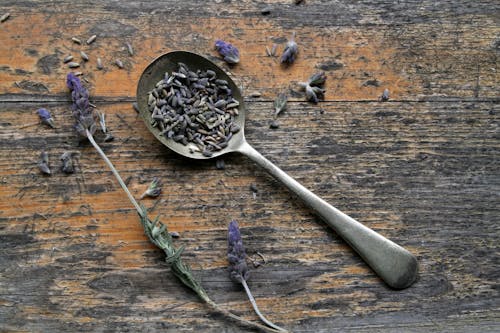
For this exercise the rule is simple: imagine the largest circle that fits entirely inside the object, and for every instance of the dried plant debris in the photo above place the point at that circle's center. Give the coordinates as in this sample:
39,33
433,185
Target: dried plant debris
84,56
99,64
67,59
153,190
271,52
130,50
314,87
67,163
220,164
280,104
76,40
73,64
385,96
290,51
119,63
195,109
43,163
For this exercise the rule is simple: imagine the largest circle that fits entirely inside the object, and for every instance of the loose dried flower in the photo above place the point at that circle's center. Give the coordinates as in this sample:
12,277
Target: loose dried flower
43,163
67,161
314,87
230,53
82,111
45,117
290,52
154,189
385,95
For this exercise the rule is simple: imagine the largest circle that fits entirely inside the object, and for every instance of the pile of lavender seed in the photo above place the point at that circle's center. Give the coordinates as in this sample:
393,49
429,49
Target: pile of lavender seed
194,108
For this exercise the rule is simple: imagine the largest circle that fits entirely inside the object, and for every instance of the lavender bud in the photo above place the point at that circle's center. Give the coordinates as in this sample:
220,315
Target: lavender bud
236,253
317,79
290,52
82,111
67,166
45,117
43,163
385,96
154,189
230,53
280,103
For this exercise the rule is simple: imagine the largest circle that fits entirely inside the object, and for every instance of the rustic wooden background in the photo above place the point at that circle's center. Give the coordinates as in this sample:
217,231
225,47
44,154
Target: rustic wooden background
422,169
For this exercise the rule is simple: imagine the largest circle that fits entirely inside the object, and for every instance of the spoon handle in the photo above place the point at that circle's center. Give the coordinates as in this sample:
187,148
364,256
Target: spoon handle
394,264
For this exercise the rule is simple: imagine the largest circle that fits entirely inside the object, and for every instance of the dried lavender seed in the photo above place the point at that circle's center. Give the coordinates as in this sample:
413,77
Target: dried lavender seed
76,40
68,59
99,64
43,163
273,50
91,39
255,94
73,65
4,17
84,56
67,161
78,73
119,63
130,49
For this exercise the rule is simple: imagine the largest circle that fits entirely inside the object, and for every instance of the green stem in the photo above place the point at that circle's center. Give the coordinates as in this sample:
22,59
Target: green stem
115,172
256,308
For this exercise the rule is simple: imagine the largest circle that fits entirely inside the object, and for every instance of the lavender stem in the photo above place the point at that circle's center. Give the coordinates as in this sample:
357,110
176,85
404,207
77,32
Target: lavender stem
115,172
256,308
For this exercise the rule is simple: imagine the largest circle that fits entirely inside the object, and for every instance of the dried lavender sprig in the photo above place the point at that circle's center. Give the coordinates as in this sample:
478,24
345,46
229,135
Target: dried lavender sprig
156,231
239,270
153,190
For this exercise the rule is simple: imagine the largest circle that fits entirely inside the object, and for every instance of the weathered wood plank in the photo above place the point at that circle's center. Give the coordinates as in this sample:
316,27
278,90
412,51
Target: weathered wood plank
450,51
423,174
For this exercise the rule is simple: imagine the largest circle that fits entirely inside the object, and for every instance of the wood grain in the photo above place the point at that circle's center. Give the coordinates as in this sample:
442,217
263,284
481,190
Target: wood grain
421,169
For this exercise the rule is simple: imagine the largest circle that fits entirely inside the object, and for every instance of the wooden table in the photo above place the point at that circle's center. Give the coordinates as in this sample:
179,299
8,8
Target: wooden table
421,169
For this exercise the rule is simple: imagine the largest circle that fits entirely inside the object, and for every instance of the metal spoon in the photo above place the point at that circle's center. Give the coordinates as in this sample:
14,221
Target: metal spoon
394,264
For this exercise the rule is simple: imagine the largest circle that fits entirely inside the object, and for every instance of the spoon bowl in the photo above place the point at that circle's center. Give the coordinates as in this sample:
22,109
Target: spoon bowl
394,264
168,63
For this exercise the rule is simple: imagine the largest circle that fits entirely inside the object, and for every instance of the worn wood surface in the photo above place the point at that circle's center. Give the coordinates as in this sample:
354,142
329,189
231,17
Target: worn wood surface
421,169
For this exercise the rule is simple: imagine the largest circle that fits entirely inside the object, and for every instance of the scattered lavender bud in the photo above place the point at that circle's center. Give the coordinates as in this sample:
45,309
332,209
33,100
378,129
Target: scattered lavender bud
317,79
154,189
82,111
174,234
45,117
290,52
43,163
385,96
67,161
73,64
68,59
230,54
255,94
91,39
236,254
310,95
280,104
76,40
99,64
119,63
130,50
4,17
84,56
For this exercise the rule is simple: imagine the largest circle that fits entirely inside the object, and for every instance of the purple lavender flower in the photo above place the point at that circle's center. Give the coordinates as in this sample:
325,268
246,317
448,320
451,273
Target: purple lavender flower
82,111
230,53
45,117
317,79
236,253
290,52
